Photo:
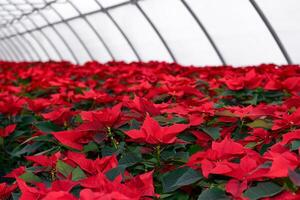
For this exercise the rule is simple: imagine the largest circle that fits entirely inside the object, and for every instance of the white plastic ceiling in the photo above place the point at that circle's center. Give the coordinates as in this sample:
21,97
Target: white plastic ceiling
190,32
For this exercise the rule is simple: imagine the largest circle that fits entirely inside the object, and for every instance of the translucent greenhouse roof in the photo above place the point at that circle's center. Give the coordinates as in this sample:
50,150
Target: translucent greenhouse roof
190,32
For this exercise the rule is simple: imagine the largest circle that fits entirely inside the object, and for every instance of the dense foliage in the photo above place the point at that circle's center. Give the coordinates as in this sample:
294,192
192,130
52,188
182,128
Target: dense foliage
148,131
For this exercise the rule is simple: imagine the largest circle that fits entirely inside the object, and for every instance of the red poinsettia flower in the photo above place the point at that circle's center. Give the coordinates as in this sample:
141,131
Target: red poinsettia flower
109,117
142,106
282,160
10,104
136,188
152,133
287,121
6,190
217,160
59,189
94,167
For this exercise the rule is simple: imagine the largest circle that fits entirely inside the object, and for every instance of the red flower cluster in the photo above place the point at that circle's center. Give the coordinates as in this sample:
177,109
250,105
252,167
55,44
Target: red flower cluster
148,131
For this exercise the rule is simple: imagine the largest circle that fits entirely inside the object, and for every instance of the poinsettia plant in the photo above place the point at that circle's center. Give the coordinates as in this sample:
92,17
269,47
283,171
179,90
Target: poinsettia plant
148,131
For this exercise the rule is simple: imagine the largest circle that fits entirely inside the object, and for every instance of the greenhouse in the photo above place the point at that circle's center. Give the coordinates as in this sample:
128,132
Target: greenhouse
149,99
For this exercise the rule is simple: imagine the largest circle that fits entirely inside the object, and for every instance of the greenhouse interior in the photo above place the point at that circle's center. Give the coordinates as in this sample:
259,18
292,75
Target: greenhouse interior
149,99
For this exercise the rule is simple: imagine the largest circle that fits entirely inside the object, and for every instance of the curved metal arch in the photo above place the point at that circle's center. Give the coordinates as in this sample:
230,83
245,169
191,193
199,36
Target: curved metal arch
271,30
22,46
135,2
15,49
24,38
41,31
32,36
25,44
31,46
73,32
59,36
39,44
12,51
5,54
204,30
43,34
45,5
104,10
93,30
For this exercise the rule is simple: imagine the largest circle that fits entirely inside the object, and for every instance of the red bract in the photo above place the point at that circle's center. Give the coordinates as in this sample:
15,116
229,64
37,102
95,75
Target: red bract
282,160
217,159
44,161
7,130
236,188
152,133
139,187
143,106
37,105
288,137
110,117
59,115
73,138
6,190
59,190
94,167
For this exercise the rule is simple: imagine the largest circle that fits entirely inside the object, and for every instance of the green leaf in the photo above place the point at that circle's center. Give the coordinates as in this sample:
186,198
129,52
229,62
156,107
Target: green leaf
64,168
43,138
260,123
108,150
47,127
263,189
175,196
295,145
213,194
295,177
253,101
30,177
92,146
25,119
194,148
78,174
173,180
173,155
130,159
113,173
27,149
213,132
15,196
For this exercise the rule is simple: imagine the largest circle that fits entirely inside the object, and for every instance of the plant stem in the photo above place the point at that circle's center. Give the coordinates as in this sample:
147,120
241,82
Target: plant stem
158,155
113,140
